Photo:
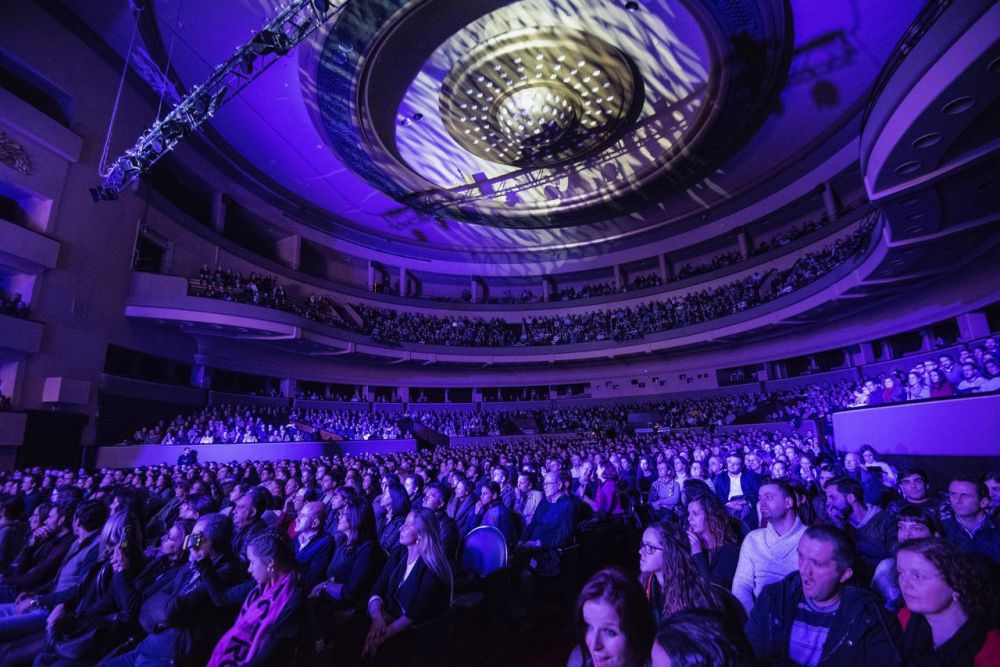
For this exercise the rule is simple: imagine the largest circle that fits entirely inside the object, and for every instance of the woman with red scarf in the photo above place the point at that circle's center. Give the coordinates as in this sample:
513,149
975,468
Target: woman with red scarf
268,628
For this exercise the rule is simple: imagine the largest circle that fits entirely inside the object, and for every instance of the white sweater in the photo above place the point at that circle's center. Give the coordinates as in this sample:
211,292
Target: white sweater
765,558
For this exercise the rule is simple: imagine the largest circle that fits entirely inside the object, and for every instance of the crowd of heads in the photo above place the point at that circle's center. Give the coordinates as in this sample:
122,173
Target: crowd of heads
973,369
12,303
618,324
698,542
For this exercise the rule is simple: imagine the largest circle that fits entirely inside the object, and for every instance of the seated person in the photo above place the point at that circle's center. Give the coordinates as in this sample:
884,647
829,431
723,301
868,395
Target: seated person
812,617
492,512
673,582
700,637
415,586
949,606
913,522
269,626
357,561
613,621
715,542
182,621
435,500
313,546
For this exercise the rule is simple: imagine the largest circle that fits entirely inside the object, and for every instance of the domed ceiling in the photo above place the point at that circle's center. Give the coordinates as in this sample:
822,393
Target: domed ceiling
504,127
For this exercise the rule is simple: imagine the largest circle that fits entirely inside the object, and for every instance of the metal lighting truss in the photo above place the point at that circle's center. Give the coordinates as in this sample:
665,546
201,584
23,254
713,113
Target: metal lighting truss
293,23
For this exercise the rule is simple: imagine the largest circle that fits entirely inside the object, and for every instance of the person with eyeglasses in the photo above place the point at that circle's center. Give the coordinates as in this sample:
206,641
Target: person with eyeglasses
672,580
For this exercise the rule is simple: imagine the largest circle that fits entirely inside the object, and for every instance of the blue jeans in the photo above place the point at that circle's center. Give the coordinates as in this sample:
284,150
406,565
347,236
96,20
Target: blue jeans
14,626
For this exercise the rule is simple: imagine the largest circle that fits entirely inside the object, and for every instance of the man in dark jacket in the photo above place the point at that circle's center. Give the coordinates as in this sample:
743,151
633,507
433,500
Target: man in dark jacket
247,519
182,621
812,617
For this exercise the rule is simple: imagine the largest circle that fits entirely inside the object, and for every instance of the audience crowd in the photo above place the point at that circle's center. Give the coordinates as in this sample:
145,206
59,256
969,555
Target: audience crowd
11,303
699,548
618,324
976,371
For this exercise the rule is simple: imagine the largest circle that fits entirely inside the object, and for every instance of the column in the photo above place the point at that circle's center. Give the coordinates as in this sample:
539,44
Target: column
866,354
288,388
200,377
289,250
547,288
972,326
404,287
886,352
371,275
831,205
926,340
476,287
368,393
219,211
743,242
666,270
618,276
477,395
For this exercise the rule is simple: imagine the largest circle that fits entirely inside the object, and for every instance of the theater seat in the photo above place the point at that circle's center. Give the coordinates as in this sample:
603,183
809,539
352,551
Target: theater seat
484,563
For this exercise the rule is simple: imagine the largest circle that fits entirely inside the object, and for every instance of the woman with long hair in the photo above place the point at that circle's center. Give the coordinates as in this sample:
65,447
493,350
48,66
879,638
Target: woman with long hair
949,616
614,623
670,576
395,506
269,626
607,500
715,543
939,384
357,561
415,585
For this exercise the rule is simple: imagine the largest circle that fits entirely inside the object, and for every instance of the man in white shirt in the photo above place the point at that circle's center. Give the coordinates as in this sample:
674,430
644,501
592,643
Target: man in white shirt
769,554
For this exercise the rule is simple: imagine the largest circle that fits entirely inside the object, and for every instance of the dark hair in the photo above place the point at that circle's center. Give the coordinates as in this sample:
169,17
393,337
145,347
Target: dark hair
867,448
91,514
13,507
700,638
910,472
274,544
844,551
981,489
688,588
493,487
635,617
785,488
217,528
734,454
965,573
399,501
992,476
260,500
921,515
201,504
360,519
441,488
717,519
848,486
418,481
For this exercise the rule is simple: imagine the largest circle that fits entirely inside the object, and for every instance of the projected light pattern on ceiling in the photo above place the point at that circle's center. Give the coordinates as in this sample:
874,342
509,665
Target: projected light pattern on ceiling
537,97
542,113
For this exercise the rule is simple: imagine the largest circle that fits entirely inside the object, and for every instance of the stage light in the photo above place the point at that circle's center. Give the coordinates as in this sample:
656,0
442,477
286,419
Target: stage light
267,42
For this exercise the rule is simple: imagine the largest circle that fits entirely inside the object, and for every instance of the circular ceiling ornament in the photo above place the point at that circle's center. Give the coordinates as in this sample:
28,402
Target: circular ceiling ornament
538,97
512,136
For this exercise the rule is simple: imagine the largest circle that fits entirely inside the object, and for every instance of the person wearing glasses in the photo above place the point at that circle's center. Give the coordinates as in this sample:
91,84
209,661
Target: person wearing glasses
673,581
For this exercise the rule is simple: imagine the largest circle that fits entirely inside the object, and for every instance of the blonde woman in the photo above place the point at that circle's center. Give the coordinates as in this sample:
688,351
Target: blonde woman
415,585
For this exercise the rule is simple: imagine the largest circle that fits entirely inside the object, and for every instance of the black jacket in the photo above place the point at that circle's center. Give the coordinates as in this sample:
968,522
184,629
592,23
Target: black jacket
183,613
421,598
356,567
863,633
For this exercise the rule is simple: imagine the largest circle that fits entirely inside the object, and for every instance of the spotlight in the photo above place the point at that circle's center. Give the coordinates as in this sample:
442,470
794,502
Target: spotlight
320,6
631,6
267,42
173,130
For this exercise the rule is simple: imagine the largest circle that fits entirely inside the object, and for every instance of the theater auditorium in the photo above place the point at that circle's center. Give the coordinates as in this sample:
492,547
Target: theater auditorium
596,333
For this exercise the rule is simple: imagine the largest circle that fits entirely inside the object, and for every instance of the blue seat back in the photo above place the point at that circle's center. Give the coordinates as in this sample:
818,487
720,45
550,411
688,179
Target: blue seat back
485,551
